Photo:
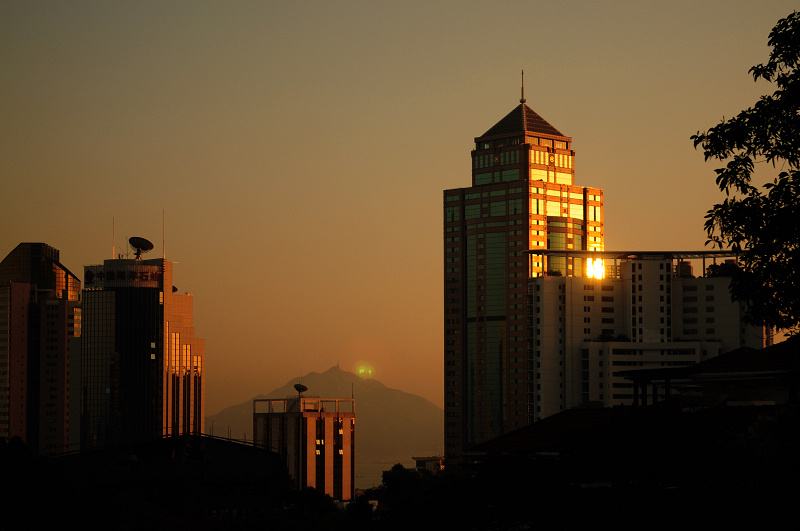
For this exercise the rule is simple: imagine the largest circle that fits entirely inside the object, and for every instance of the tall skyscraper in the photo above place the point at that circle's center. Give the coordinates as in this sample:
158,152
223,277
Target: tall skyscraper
315,436
142,366
40,320
522,197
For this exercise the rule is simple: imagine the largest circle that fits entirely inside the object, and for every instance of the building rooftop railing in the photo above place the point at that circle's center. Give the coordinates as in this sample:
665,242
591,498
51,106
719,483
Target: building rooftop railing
576,261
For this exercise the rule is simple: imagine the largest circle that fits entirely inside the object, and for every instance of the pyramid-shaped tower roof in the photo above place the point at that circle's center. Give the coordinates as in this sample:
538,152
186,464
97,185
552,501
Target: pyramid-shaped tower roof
522,119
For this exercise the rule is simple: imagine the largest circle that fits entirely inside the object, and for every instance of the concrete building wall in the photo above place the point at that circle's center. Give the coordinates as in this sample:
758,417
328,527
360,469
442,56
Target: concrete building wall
586,331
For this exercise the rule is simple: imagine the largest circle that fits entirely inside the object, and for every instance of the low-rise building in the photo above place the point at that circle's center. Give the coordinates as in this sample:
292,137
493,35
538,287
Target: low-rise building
315,437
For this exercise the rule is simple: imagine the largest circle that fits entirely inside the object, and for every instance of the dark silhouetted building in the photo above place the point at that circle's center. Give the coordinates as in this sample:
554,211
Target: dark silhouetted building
142,366
523,197
433,464
185,482
746,376
40,321
315,437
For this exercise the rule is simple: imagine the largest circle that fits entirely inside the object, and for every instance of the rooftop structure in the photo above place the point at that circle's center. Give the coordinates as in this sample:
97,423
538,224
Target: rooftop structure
315,437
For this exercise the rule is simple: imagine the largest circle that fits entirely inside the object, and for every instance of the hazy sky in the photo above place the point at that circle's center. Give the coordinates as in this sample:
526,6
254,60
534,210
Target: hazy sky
299,150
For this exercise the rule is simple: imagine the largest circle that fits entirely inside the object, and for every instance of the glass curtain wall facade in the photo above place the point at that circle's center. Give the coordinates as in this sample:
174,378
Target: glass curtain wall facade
522,197
142,366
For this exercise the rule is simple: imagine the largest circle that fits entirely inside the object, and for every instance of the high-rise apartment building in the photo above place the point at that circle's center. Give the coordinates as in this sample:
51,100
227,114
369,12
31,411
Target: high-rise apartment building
315,436
142,366
523,196
40,321
647,311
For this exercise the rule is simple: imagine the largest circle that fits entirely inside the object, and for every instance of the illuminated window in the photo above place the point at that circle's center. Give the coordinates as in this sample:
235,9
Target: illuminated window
576,211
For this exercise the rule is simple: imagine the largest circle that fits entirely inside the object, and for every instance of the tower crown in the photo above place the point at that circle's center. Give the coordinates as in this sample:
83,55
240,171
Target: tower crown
522,119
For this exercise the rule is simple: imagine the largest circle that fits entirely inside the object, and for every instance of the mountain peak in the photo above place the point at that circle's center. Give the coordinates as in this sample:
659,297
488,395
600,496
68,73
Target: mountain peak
392,425
333,383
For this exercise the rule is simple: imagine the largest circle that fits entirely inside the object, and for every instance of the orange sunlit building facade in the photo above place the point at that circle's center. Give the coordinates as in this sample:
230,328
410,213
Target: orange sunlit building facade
315,436
523,197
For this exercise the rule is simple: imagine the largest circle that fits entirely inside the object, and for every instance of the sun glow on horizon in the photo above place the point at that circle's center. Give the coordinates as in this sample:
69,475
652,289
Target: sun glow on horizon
364,371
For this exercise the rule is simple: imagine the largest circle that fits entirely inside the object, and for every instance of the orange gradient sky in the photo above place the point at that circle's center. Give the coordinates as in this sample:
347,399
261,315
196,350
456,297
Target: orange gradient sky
299,150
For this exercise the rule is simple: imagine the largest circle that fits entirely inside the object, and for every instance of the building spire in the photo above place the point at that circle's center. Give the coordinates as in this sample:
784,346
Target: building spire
522,104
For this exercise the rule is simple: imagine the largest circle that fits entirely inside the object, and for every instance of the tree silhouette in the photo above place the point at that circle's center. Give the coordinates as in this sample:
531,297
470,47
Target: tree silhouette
763,222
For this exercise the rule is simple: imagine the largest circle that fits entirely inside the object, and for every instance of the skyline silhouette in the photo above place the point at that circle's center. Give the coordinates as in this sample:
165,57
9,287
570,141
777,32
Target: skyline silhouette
290,158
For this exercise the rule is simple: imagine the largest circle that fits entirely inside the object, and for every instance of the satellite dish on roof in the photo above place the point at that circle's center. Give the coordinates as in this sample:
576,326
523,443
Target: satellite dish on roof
141,245
300,388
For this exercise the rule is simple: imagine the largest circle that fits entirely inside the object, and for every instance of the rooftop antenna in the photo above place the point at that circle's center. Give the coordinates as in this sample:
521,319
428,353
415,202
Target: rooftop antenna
522,95
163,236
300,388
141,245
113,239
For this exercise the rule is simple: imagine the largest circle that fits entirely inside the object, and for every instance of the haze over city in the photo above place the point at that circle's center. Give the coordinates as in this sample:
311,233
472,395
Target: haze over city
297,152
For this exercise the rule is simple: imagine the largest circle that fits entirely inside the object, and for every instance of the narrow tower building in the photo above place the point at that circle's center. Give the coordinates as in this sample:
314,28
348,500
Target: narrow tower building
523,196
40,328
315,436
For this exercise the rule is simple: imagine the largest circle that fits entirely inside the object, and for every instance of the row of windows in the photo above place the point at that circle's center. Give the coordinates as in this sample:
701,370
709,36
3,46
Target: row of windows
693,320
544,158
604,298
503,176
693,287
693,309
709,298
561,207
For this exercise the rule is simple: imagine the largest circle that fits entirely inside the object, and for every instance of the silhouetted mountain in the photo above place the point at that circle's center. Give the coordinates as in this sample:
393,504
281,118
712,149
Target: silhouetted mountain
391,425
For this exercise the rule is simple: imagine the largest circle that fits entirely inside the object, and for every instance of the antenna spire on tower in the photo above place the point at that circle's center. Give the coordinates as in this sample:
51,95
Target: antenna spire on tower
522,95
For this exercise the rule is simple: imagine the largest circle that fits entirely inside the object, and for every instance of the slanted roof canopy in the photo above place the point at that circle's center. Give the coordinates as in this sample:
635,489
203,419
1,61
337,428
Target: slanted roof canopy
522,119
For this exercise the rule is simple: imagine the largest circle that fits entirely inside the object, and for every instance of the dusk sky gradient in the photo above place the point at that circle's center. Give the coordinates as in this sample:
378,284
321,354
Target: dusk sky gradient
298,150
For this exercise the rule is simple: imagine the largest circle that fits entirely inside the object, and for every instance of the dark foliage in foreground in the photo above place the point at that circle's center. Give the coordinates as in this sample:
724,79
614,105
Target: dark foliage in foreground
763,222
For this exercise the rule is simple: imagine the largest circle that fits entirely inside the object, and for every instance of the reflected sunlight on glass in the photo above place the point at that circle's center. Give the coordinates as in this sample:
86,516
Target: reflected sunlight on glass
595,268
